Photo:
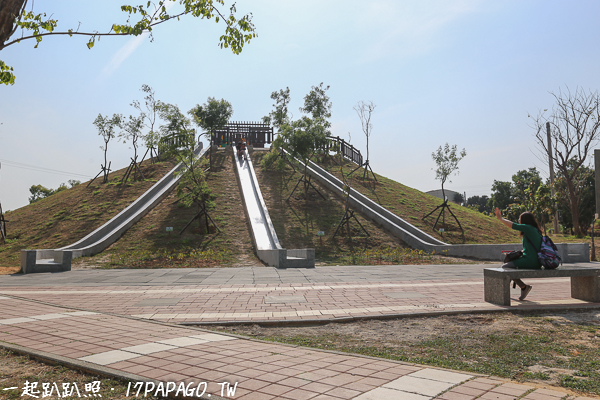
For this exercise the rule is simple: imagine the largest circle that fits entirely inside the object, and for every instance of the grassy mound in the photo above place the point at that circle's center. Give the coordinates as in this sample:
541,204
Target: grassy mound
69,215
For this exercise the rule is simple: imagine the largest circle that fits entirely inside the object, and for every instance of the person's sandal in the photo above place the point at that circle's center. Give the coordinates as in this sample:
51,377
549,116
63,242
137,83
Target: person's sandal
525,292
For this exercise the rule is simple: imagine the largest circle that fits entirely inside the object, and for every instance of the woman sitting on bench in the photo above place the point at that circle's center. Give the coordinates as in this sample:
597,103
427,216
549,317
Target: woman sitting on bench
531,235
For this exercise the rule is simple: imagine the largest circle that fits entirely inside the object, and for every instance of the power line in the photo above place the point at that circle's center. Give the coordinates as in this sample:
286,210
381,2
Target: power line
41,169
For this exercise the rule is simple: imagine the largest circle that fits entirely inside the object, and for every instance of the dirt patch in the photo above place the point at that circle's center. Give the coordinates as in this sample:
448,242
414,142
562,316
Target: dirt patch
552,349
15,370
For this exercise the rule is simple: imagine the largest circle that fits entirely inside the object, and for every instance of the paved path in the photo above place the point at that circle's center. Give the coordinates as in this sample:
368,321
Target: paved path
128,323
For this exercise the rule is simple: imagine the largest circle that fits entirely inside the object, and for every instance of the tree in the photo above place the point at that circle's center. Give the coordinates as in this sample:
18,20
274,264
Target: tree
279,116
106,129
140,19
502,195
192,188
458,198
536,199
177,129
364,111
523,180
303,139
132,131
39,192
318,105
446,158
479,202
211,116
585,178
149,115
574,130
308,135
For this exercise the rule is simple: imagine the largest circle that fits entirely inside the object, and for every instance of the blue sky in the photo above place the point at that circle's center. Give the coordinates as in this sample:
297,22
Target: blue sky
463,72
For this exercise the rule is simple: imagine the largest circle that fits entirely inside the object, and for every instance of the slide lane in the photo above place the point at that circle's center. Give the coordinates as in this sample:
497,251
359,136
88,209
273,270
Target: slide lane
53,260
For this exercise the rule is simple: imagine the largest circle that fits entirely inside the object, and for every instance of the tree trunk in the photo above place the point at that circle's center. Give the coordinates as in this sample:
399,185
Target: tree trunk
305,180
574,207
443,208
105,164
9,10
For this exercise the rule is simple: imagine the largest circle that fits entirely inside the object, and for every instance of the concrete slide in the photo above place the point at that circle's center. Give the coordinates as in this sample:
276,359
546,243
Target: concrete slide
264,237
417,239
55,260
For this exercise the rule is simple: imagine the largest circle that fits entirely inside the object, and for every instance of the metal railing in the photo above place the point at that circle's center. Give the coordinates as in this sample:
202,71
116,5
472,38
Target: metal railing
347,150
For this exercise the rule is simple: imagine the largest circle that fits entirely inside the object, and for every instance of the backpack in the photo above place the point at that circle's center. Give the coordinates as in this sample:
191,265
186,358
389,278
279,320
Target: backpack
548,253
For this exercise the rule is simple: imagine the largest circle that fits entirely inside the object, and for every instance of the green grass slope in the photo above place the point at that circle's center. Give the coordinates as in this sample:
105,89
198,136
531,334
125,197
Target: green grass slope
69,215
412,205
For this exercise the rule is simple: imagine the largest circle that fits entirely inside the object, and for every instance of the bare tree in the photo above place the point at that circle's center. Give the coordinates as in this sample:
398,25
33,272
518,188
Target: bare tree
574,131
364,111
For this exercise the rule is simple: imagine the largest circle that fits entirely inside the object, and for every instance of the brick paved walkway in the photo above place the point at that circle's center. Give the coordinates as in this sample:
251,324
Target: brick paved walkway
128,329
285,302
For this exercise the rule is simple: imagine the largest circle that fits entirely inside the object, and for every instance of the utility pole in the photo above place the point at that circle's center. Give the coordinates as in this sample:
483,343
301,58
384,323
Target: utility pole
597,165
551,164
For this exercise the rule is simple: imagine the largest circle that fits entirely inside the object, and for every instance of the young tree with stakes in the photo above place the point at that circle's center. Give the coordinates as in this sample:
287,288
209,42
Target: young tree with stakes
279,118
446,159
149,116
140,19
308,135
364,111
107,129
192,188
132,131
574,123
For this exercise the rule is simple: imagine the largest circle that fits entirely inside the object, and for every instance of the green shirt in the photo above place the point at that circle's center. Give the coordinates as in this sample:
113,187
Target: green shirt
530,257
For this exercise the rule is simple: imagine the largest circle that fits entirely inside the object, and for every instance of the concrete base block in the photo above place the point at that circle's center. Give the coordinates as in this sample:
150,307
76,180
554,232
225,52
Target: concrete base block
497,290
300,258
586,288
273,258
28,258
40,261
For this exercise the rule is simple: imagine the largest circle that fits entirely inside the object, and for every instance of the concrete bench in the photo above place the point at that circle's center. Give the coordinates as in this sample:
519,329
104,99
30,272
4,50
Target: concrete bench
585,282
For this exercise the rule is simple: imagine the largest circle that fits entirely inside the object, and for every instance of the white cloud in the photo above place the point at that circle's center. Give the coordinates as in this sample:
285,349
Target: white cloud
128,48
122,54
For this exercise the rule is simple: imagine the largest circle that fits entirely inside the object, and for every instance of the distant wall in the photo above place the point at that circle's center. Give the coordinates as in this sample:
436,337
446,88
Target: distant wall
449,193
